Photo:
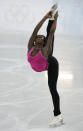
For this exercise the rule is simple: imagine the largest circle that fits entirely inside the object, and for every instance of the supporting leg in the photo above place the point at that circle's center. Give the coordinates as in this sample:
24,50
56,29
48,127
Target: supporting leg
52,83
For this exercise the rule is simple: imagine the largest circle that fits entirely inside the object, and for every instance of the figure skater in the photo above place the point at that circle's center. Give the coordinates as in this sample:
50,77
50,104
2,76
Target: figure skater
39,55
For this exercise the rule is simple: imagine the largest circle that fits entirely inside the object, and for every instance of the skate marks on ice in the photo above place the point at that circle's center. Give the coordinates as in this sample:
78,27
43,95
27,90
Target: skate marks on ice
19,95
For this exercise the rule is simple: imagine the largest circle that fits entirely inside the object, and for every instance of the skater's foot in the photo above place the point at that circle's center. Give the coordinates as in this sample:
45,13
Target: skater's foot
54,10
56,121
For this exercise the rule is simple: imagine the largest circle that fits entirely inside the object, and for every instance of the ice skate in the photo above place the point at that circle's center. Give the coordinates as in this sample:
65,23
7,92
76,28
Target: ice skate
54,9
56,121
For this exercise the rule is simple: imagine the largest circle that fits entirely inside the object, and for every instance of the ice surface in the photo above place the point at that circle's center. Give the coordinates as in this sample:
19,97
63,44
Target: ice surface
25,100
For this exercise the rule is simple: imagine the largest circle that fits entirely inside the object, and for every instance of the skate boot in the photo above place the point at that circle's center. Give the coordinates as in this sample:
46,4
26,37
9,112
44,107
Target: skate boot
57,120
54,9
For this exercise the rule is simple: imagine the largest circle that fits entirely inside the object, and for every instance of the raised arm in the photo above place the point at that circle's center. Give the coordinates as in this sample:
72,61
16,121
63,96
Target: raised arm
34,34
50,37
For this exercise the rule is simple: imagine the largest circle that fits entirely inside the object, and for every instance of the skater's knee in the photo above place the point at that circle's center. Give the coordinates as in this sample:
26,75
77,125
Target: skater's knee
52,82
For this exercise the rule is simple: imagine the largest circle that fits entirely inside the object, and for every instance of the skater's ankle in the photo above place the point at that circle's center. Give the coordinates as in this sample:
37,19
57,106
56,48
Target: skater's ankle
57,114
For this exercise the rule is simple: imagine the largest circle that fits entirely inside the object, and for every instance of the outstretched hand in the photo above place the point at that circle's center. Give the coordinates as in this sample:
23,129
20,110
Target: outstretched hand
49,14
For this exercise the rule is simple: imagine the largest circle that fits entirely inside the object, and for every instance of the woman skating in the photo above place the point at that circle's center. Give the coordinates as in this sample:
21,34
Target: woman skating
40,50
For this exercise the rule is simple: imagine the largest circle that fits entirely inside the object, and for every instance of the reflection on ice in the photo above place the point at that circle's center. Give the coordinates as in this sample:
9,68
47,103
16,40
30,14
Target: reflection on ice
66,76
63,75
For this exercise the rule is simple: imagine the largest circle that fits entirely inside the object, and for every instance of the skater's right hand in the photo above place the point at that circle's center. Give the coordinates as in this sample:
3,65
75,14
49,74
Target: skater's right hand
49,14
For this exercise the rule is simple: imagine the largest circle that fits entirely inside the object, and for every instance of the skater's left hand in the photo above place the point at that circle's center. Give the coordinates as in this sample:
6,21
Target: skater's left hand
49,14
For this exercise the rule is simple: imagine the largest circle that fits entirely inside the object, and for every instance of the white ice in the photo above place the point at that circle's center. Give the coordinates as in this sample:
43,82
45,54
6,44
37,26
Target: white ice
25,100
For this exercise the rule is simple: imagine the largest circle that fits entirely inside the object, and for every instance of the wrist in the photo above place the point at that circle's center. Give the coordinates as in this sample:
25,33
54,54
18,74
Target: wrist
45,17
55,18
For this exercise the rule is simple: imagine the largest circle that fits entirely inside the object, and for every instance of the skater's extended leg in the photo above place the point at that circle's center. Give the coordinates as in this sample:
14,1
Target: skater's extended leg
50,22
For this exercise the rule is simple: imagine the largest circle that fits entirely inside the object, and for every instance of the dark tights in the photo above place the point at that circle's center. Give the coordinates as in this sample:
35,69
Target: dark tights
52,71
